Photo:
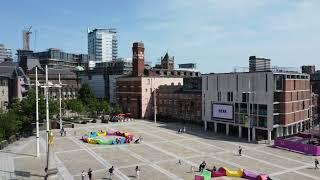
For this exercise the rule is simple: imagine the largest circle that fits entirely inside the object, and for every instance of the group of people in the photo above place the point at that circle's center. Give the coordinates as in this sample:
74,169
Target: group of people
63,132
182,130
202,166
110,171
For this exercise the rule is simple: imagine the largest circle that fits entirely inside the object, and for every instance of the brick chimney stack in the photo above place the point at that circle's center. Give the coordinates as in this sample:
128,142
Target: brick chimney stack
138,59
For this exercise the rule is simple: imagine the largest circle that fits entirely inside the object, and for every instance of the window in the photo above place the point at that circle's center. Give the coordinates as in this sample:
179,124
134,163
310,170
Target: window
219,96
266,82
279,82
294,84
262,108
262,122
207,83
204,104
276,119
244,97
237,83
230,96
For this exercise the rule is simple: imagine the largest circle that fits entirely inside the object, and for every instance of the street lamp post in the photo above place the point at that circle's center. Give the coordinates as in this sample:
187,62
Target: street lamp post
60,104
47,117
37,114
155,106
46,91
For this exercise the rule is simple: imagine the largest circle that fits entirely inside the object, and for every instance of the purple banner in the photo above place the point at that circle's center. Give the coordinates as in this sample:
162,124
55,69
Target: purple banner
305,148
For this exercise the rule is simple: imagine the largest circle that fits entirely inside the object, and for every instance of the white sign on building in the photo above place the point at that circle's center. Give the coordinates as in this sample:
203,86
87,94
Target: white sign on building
222,111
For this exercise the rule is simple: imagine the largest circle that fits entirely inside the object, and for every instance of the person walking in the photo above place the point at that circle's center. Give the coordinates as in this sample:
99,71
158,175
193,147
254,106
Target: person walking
111,172
179,162
192,169
214,169
184,129
316,163
137,172
61,132
83,174
90,173
240,151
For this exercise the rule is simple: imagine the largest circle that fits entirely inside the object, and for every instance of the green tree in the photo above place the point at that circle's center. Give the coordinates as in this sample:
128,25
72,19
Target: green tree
75,106
105,107
9,124
86,94
117,109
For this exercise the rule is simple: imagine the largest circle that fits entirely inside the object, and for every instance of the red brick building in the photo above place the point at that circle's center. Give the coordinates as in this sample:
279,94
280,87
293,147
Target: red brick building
180,102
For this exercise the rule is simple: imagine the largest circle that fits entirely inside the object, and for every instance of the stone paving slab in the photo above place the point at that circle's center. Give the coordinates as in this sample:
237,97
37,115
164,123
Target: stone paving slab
273,159
146,173
182,171
205,148
97,175
30,167
220,144
149,153
30,149
292,155
176,149
75,162
311,171
149,138
168,135
64,144
292,175
116,156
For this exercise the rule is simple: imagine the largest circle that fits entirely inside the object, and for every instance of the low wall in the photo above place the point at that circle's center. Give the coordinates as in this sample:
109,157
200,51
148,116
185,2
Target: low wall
304,148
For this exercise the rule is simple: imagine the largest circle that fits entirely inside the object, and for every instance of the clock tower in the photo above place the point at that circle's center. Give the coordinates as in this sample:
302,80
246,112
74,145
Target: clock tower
138,59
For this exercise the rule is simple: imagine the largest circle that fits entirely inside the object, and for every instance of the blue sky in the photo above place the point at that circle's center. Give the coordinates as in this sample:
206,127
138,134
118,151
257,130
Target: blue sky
218,35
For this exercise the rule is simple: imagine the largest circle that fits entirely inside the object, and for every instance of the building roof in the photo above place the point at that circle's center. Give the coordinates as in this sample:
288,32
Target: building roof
31,63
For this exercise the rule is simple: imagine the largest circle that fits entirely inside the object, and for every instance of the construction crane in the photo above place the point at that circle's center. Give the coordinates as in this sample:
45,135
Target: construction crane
26,38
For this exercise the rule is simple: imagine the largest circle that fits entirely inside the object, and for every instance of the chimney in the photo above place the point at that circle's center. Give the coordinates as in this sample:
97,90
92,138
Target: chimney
138,59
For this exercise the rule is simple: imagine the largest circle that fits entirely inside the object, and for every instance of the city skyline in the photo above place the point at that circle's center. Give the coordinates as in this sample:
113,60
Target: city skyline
207,32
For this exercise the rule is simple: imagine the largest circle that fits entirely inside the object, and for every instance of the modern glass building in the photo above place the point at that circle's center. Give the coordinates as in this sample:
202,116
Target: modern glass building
4,53
103,44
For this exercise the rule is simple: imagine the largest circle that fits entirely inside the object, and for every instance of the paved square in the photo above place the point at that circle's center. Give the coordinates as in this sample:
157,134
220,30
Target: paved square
157,156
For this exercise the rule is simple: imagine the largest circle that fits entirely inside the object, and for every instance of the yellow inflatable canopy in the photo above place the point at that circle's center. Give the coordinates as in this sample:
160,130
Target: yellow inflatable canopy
238,173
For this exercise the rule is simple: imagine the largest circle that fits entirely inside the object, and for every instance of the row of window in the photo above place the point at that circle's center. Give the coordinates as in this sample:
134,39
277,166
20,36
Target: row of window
255,109
3,82
179,73
257,121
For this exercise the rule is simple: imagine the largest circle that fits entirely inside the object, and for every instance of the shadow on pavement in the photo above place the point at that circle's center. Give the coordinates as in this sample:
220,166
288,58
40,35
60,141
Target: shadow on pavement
198,131
22,173
9,152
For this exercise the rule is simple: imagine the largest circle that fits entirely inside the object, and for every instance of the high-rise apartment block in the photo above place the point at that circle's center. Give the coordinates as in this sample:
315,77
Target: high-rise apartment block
4,53
103,44
259,64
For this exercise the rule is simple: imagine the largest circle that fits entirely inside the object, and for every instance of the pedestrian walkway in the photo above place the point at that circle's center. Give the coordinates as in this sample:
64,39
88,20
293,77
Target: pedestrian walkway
156,156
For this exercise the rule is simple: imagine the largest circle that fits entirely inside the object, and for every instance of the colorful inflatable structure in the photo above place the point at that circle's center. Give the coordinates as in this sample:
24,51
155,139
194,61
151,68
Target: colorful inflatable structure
222,171
95,138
